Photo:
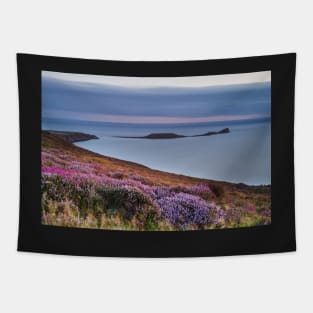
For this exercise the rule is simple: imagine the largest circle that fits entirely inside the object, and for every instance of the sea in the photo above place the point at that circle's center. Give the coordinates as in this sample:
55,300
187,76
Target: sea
241,156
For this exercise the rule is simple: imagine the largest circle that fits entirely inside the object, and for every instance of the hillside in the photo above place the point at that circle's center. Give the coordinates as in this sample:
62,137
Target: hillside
84,189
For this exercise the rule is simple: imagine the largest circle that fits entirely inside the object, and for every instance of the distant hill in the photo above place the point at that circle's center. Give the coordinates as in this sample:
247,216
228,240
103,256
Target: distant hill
71,137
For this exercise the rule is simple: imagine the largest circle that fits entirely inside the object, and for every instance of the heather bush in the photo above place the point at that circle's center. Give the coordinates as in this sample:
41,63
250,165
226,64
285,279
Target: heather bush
141,179
185,210
100,197
128,202
117,175
217,190
202,190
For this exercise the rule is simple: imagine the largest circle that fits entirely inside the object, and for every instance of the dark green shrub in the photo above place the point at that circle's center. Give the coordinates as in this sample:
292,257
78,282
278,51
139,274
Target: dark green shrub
218,190
130,204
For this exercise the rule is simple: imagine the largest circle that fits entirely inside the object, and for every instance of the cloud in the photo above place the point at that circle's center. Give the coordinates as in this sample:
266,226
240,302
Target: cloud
156,100
149,119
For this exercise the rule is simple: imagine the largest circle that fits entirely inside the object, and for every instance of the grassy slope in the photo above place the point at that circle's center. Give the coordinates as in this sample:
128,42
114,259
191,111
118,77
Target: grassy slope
227,194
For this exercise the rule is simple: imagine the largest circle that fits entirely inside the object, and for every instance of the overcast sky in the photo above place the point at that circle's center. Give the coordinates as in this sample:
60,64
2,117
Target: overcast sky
150,82
156,100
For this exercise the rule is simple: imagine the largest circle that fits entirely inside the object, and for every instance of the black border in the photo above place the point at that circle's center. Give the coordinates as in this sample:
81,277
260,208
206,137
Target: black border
277,237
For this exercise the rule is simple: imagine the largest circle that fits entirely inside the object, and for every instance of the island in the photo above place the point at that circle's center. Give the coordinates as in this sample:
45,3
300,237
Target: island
71,137
174,135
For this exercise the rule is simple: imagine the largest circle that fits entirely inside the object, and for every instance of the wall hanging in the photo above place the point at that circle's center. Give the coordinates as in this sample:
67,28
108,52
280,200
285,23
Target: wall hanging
156,159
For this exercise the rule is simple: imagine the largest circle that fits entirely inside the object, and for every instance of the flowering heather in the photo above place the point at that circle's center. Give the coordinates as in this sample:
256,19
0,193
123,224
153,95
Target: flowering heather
82,189
184,210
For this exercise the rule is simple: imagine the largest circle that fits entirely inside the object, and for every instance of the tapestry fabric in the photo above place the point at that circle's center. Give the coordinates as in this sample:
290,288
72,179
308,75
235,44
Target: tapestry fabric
156,159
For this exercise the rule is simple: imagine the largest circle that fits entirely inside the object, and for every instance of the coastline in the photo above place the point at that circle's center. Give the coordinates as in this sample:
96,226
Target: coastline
65,135
84,189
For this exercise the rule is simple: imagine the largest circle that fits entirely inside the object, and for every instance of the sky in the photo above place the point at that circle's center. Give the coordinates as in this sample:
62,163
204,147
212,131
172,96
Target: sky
156,100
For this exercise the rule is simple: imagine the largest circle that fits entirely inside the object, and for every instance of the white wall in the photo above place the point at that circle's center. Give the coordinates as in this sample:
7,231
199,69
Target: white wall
160,30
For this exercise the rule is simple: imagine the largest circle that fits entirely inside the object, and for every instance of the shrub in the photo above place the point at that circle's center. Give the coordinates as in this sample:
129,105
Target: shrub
185,210
117,175
218,190
201,190
130,204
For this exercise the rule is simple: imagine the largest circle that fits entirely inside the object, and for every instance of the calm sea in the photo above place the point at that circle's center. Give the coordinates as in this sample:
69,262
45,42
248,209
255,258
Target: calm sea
243,155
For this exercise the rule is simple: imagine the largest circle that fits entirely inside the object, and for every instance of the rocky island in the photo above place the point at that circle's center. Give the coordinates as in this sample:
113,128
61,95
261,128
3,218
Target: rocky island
174,136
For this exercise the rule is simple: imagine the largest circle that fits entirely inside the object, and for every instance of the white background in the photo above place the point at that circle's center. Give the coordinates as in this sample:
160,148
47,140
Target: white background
155,30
